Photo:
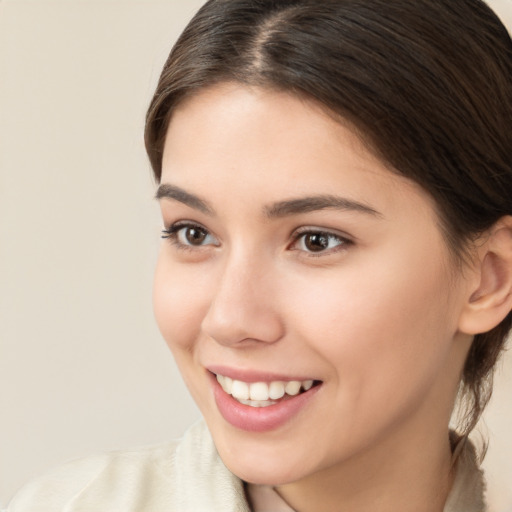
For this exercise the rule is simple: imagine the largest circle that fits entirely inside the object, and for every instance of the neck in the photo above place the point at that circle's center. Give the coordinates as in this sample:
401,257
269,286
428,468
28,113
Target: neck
400,474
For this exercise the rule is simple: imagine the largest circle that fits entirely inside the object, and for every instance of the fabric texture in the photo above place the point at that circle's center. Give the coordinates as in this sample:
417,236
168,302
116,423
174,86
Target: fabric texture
182,476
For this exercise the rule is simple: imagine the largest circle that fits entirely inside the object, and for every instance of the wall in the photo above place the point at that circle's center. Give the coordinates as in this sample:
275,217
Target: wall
82,366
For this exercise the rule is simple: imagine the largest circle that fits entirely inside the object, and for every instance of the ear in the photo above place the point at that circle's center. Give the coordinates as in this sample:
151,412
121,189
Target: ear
490,294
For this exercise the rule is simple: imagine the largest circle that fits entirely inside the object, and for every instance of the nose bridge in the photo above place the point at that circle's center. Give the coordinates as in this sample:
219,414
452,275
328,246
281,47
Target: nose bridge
242,307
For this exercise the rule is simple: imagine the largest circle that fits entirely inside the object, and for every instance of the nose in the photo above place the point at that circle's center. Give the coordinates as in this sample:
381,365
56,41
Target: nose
244,307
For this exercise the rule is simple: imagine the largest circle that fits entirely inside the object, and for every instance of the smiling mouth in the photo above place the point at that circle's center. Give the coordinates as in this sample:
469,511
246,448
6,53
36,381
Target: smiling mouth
263,394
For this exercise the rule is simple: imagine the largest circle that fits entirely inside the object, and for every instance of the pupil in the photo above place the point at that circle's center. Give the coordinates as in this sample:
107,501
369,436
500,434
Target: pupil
317,242
195,236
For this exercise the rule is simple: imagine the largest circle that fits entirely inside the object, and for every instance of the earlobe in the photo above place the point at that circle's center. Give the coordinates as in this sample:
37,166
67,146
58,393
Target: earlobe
490,300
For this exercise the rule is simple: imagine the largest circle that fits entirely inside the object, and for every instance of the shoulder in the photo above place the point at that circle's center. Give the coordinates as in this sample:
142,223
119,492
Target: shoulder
179,475
96,479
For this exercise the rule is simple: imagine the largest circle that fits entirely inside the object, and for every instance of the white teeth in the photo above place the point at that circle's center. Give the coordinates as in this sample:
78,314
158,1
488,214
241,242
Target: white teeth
307,384
257,403
261,394
276,390
228,385
240,390
258,391
292,388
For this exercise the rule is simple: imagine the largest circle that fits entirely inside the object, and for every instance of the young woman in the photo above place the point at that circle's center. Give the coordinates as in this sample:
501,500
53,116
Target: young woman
335,180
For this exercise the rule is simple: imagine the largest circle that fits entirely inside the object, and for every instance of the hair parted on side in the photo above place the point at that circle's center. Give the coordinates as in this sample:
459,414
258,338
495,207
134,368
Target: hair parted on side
426,83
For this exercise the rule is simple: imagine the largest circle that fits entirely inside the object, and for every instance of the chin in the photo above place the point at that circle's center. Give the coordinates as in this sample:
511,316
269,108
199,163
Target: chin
272,472
260,459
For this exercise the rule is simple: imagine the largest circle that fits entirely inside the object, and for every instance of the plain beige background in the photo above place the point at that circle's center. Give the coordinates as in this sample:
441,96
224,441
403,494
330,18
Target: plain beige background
82,365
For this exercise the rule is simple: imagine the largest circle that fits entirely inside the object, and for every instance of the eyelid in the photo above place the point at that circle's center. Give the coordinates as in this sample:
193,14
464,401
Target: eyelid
326,231
179,224
322,229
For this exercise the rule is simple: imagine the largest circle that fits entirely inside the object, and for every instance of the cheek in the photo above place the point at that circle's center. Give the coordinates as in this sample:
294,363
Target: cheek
378,323
179,302
383,342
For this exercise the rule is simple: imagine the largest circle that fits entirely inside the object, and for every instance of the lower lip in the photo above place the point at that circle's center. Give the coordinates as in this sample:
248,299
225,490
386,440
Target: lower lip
259,419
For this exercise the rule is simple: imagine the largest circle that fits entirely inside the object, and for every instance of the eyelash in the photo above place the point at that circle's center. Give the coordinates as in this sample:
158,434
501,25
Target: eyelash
172,234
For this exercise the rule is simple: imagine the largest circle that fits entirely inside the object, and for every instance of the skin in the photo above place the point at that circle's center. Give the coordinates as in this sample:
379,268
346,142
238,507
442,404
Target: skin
376,316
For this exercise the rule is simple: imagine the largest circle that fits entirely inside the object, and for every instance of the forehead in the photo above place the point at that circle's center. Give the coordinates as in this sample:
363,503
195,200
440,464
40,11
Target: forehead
233,141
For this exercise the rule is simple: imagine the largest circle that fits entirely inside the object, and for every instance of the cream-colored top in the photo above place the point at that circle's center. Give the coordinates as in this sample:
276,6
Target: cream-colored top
181,476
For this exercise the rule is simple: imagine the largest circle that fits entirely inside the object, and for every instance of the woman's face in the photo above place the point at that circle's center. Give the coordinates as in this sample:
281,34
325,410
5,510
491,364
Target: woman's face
293,254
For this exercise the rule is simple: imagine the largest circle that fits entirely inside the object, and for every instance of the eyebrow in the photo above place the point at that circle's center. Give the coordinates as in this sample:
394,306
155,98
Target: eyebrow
166,191
315,203
277,210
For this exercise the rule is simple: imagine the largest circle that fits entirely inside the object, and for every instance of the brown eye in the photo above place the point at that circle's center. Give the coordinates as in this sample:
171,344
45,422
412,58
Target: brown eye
194,235
316,242
189,235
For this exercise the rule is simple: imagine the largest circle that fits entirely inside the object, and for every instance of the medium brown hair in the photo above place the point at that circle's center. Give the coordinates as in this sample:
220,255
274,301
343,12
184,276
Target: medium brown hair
427,84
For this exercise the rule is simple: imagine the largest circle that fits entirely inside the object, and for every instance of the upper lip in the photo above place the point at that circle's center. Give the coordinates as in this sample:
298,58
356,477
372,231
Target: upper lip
247,375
